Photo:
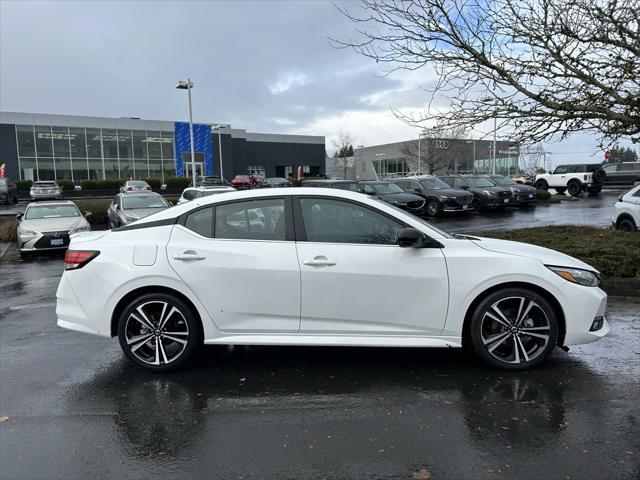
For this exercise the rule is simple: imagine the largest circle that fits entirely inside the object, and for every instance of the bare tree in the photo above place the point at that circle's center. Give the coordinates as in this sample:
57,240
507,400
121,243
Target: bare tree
344,148
533,158
543,68
434,151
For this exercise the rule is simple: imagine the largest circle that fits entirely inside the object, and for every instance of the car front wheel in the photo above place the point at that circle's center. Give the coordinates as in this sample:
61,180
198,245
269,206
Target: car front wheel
514,329
433,208
159,332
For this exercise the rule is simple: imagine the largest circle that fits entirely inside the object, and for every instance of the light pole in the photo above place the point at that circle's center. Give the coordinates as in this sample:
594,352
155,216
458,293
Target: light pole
188,85
495,128
474,153
218,128
422,133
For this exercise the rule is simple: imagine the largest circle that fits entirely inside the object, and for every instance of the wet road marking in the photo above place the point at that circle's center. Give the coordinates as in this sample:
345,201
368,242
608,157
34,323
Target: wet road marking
32,305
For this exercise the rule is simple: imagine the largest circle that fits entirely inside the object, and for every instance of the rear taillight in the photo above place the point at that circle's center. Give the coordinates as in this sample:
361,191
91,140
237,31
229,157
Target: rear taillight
75,259
129,189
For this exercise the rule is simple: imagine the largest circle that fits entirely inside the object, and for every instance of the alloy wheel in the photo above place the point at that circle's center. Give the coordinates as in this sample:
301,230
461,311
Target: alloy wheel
515,330
156,332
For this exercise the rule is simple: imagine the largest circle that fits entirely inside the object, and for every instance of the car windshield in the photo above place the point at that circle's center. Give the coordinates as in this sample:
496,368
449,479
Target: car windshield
137,183
242,177
433,183
503,181
479,182
51,211
45,184
385,188
143,201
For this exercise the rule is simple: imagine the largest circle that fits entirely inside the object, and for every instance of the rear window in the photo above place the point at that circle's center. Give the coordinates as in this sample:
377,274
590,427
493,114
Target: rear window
45,184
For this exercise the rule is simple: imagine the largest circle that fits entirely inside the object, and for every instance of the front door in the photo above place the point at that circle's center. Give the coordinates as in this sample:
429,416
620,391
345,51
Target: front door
356,280
240,260
188,172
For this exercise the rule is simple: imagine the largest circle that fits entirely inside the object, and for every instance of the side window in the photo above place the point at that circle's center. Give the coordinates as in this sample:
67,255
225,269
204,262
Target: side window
201,221
561,169
447,180
336,221
610,168
188,195
251,220
403,184
459,183
415,186
637,194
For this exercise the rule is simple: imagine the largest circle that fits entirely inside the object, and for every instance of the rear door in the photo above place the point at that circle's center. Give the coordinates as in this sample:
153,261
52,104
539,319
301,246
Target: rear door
355,279
240,260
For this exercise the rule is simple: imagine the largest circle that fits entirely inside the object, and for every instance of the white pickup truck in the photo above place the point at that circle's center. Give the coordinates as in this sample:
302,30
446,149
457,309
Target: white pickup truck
574,178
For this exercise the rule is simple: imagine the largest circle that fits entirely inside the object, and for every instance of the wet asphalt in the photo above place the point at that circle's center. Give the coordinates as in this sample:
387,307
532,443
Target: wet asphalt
77,408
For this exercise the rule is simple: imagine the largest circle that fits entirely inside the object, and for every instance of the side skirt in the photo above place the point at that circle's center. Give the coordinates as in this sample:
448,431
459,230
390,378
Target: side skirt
337,340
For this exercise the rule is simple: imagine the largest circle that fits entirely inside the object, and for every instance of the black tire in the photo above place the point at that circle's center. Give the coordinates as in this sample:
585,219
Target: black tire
476,204
575,188
599,176
542,185
626,225
433,207
560,190
176,350
498,344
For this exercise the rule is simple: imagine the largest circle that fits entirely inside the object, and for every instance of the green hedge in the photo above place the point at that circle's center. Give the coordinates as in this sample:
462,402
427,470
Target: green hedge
543,194
154,183
24,185
178,182
101,184
67,185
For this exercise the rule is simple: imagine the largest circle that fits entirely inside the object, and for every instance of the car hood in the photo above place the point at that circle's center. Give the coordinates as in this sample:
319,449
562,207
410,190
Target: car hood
138,213
523,188
545,255
53,224
451,192
494,188
400,197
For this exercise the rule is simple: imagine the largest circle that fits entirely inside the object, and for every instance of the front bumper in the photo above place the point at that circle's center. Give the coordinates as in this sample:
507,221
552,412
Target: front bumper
584,306
43,241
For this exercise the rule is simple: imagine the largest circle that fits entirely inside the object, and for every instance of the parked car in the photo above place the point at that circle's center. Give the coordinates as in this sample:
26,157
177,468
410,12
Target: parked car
573,178
522,194
524,179
439,196
330,267
623,174
135,186
47,225
210,181
191,193
129,207
627,211
486,195
8,190
275,182
351,185
45,190
242,182
391,193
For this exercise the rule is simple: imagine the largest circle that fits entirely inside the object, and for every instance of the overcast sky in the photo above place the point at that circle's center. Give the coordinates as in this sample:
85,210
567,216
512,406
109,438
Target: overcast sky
262,66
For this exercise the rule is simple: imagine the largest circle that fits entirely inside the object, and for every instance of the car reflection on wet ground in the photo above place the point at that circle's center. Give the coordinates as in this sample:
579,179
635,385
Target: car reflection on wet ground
76,408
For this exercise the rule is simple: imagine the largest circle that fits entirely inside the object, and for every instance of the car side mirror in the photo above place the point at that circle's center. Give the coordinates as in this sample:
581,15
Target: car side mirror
419,190
411,237
19,216
465,187
116,208
88,214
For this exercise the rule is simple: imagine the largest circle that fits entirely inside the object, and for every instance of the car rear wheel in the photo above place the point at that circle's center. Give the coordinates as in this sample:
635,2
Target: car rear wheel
159,332
433,208
475,204
627,225
514,329
575,188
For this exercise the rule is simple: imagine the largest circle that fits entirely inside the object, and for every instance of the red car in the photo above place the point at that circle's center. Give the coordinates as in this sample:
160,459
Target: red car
244,181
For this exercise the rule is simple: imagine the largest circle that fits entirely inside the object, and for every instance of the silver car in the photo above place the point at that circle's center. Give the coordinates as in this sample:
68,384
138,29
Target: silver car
129,207
47,226
191,193
45,190
135,186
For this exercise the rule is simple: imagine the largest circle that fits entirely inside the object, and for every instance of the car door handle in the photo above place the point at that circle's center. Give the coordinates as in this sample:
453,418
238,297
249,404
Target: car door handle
319,261
188,255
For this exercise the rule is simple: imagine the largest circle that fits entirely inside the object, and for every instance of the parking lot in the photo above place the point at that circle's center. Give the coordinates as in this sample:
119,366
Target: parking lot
77,408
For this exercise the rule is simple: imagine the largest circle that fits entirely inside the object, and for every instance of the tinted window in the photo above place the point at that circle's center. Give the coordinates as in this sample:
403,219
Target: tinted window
353,187
385,188
433,183
560,169
448,180
143,201
189,194
480,182
201,221
459,183
610,168
253,220
503,181
335,221
404,184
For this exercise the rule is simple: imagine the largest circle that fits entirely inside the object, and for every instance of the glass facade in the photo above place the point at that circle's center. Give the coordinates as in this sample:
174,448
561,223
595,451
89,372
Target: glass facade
77,153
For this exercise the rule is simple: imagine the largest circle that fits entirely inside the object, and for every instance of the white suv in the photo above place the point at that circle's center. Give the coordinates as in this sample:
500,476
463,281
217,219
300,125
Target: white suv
574,178
627,211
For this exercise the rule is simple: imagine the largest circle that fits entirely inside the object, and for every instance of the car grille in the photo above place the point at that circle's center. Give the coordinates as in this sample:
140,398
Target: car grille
504,194
415,204
45,241
465,200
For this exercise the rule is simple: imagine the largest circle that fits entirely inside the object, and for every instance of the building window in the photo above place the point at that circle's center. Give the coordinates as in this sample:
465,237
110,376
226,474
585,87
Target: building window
257,170
26,144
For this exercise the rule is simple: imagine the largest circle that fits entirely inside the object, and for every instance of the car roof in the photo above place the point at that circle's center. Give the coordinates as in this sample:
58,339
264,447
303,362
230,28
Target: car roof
140,194
211,187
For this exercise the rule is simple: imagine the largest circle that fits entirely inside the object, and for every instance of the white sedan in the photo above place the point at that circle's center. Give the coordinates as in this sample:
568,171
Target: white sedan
322,267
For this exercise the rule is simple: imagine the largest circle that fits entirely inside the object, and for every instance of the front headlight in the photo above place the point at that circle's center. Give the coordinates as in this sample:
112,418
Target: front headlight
491,194
576,275
80,228
130,219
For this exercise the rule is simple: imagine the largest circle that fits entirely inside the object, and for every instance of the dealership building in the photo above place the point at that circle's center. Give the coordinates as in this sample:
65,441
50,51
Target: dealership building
37,146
